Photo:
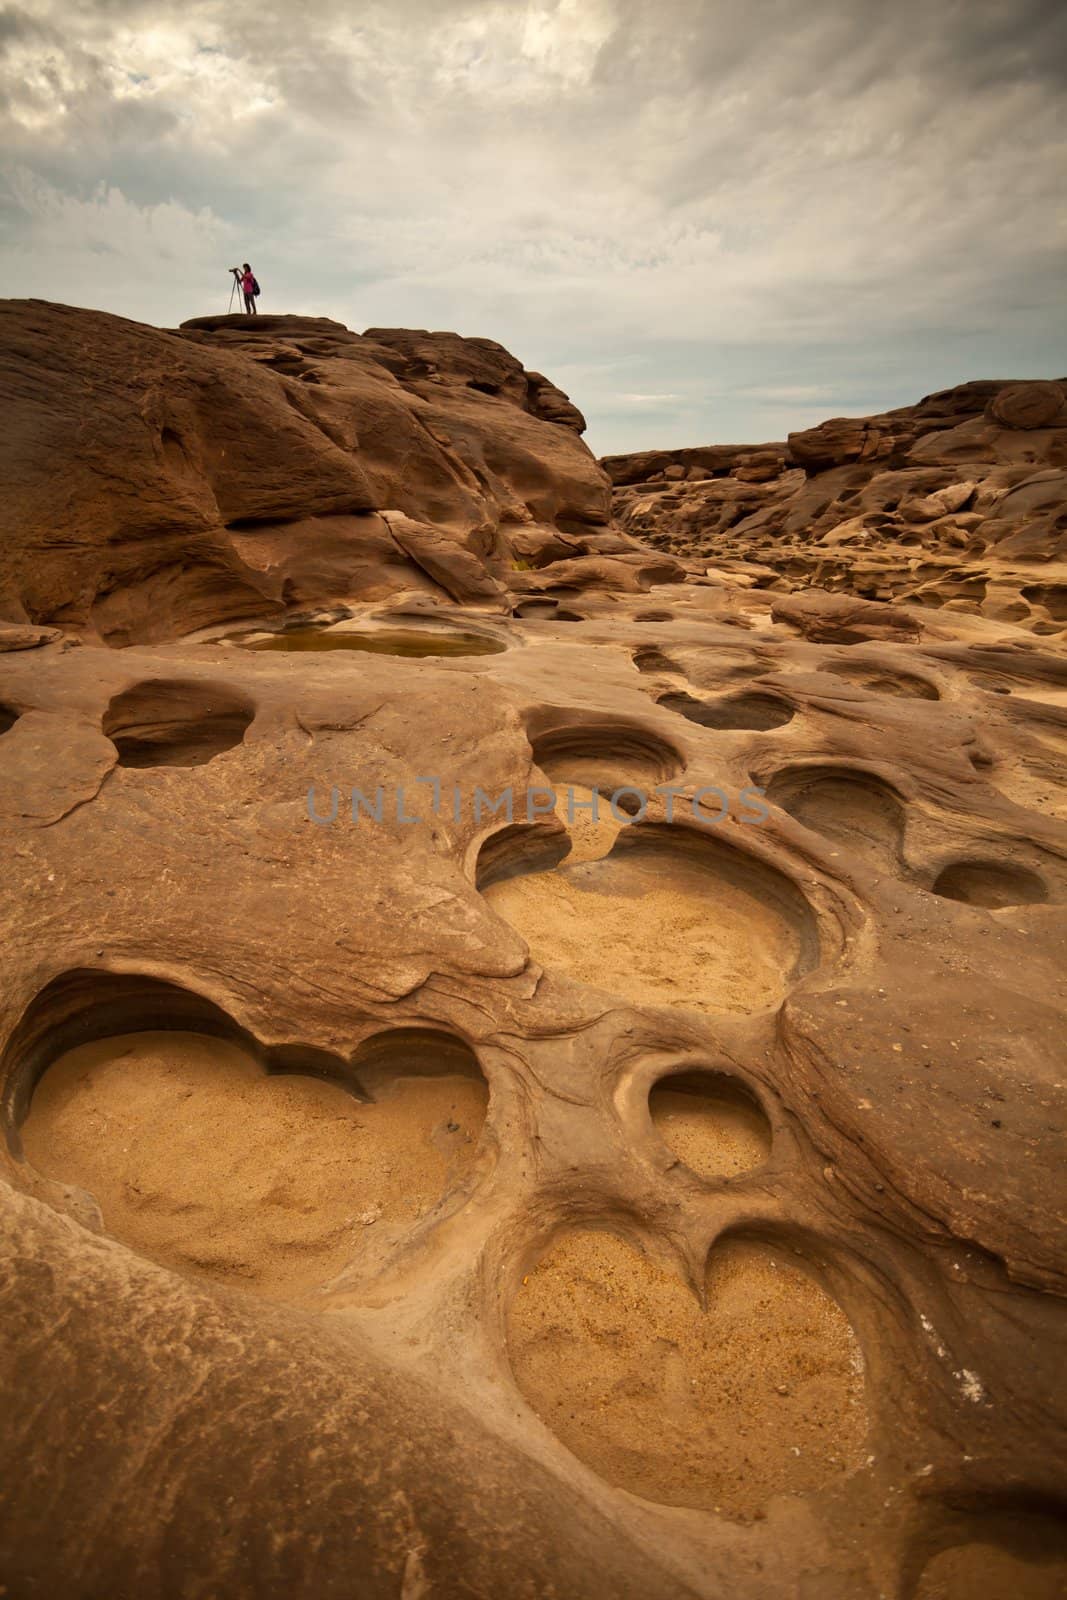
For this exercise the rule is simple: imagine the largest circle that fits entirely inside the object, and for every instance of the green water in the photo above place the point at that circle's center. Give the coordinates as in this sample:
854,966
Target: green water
384,642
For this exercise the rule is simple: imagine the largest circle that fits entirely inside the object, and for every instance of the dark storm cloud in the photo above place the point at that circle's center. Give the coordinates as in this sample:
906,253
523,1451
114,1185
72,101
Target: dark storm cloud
1002,43
713,219
16,23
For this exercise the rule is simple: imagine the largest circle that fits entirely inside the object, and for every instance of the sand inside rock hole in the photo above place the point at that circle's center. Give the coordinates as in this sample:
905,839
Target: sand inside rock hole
984,1572
592,836
661,930
716,1135
762,1395
200,1160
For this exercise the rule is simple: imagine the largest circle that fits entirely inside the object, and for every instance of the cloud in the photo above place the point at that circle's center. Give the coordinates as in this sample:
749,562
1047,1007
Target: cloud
790,393
649,399
729,211
89,245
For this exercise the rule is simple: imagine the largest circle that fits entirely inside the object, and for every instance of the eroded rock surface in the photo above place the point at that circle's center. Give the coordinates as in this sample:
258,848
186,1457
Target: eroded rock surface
958,502
409,1191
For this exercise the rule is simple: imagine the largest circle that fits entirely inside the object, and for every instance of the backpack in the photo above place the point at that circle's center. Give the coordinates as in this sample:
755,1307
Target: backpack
255,288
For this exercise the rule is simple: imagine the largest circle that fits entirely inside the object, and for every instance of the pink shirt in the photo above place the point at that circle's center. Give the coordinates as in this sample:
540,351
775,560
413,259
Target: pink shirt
247,281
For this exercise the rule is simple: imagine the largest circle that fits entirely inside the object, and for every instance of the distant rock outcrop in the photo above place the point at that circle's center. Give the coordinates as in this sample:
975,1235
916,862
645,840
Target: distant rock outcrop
959,501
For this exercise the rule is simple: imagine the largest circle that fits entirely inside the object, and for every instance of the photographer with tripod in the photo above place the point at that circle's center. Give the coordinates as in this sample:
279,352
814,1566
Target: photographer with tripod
244,279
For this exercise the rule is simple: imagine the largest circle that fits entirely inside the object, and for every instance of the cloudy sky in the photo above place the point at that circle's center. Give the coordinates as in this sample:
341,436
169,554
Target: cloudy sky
708,220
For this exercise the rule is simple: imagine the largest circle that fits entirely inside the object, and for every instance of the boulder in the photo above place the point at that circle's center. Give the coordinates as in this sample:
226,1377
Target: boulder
1029,405
544,399
939,504
22,636
828,618
834,443
458,571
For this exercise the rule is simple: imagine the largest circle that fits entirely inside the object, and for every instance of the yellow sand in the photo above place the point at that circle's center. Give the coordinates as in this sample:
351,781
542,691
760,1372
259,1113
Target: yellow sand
760,1395
661,929
201,1161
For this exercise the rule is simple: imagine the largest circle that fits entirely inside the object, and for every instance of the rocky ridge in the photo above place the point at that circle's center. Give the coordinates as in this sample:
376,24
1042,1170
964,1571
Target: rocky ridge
959,502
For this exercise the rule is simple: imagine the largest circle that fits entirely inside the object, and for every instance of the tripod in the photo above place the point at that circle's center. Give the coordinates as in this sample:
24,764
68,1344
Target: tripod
233,291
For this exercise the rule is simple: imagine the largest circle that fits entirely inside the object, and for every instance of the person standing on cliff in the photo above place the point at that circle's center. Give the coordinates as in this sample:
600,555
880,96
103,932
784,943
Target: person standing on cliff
249,287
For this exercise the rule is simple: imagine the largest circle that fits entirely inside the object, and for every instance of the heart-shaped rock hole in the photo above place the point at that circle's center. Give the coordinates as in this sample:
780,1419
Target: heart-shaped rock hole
204,1162
761,1395
668,917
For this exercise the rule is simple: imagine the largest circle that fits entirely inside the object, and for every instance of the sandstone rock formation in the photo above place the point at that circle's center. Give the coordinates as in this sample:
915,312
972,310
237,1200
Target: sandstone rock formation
958,502
161,482
411,1194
